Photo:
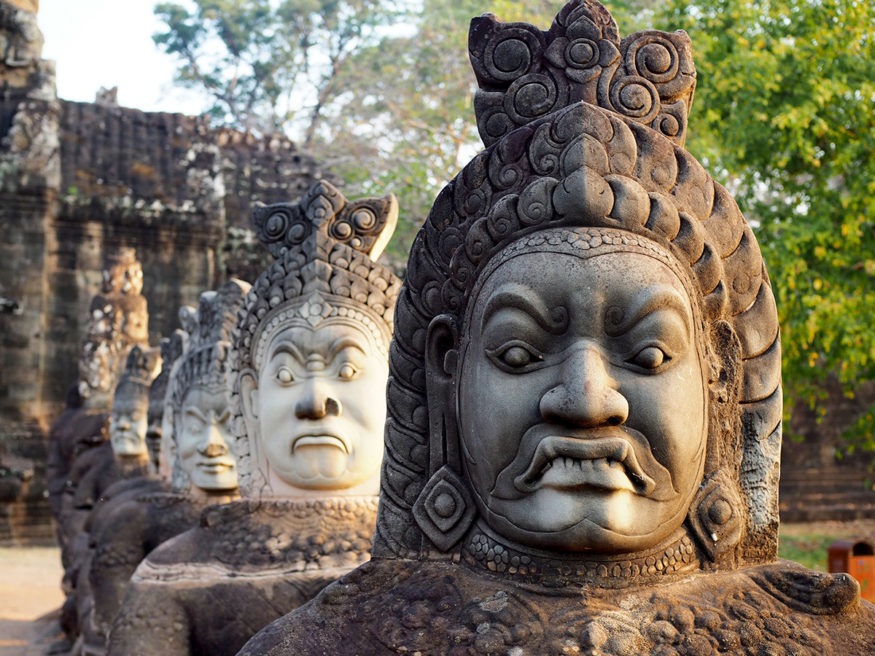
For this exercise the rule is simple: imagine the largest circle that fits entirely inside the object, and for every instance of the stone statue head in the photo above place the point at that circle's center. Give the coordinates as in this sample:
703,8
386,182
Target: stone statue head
310,350
197,425
586,361
118,319
128,420
171,349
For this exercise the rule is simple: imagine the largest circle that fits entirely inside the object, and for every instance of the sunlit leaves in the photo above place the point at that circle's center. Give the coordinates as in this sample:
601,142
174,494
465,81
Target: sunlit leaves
786,102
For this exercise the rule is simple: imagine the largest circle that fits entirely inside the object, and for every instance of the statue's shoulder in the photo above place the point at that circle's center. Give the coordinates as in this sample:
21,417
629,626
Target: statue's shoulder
365,598
407,606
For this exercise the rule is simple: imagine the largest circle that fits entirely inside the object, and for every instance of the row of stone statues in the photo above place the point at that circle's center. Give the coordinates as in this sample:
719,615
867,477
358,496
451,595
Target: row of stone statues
285,461
568,443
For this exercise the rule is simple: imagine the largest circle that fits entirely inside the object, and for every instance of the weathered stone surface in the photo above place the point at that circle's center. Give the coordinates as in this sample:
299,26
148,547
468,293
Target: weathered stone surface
406,607
208,590
78,180
584,406
308,367
197,459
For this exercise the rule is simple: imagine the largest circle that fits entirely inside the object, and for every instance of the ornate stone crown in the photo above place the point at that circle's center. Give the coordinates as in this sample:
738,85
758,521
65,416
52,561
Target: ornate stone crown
118,319
207,340
525,73
141,368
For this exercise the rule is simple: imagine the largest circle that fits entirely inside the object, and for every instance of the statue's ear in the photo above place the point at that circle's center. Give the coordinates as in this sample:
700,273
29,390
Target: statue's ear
444,509
249,394
441,359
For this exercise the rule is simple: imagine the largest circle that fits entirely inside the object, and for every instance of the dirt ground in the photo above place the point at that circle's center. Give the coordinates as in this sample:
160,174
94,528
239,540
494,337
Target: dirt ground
30,596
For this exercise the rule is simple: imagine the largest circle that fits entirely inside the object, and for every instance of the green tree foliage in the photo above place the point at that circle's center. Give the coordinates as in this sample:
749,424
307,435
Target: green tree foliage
269,65
411,97
786,102
381,91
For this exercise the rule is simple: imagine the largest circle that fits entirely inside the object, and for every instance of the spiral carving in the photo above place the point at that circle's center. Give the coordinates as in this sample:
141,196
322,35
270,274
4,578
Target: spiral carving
532,96
525,73
663,59
655,59
280,227
635,97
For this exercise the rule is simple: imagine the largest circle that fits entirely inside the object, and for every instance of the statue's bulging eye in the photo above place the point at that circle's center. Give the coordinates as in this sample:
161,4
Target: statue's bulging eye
347,372
515,356
194,424
284,375
650,357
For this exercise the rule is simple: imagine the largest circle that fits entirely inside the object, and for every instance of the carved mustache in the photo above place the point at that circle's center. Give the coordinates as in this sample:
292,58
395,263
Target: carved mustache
542,444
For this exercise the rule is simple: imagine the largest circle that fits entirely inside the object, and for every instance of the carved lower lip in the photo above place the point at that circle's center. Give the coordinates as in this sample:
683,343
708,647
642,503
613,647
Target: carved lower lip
602,462
320,439
214,467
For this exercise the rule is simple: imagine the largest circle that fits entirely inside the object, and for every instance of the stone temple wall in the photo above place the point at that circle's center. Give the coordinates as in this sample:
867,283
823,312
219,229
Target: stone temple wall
78,180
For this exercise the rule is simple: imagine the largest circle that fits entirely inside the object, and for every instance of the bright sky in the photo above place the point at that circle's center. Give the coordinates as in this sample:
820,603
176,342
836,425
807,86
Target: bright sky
108,43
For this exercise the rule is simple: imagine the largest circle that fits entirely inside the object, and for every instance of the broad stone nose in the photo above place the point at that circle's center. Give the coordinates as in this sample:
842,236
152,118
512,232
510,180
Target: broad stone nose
214,445
587,394
317,401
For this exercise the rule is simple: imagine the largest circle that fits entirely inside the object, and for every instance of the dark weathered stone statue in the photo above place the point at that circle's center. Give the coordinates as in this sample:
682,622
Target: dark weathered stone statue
202,469
584,414
108,472
309,374
118,320
171,348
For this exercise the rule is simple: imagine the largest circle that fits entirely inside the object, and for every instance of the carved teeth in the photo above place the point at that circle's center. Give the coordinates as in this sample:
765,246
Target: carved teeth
600,453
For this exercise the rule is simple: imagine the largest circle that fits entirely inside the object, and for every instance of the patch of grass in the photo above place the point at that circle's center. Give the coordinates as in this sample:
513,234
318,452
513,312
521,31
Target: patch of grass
809,550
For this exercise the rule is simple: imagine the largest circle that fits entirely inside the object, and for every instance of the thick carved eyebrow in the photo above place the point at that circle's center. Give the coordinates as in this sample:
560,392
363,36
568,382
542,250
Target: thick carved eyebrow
647,301
342,343
288,347
193,409
523,298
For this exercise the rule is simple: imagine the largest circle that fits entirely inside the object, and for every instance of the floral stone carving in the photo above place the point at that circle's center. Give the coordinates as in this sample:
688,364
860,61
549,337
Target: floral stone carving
309,369
584,402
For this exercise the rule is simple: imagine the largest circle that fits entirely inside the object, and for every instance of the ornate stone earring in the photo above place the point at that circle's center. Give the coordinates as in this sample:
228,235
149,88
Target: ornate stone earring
715,517
444,509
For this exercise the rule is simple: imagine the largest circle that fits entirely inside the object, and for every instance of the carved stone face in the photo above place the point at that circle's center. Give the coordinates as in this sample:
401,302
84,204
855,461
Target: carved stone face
203,437
128,423
581,401
320,407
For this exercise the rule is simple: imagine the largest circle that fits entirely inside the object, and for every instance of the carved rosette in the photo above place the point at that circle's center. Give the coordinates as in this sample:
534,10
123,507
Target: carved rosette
326,249
525,73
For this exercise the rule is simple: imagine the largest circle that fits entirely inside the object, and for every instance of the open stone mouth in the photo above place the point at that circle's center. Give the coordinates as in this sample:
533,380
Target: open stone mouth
595,462
320,439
